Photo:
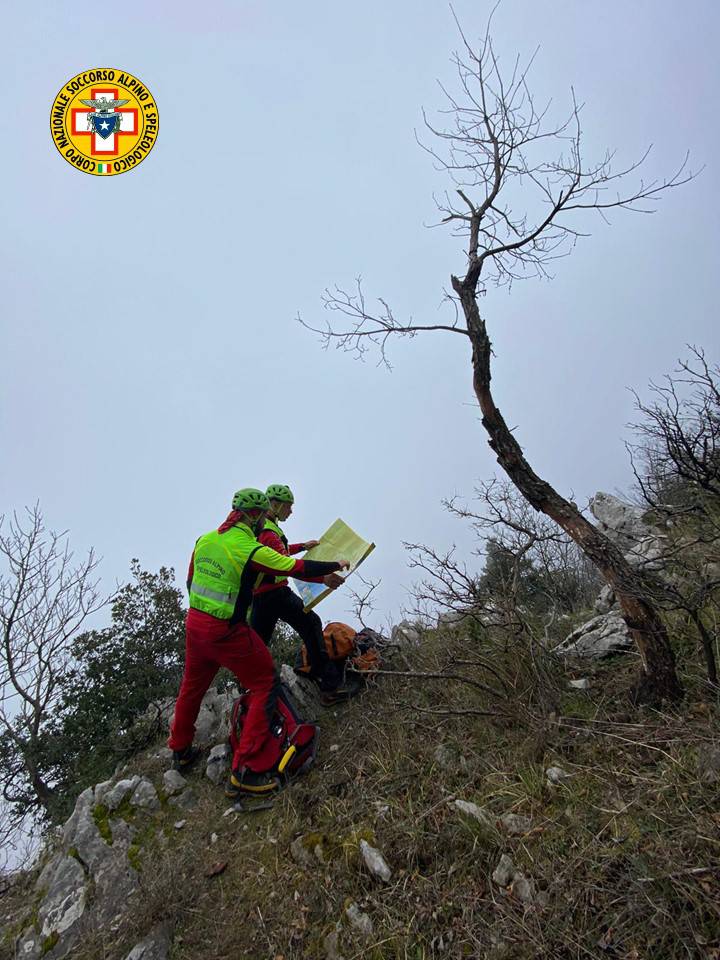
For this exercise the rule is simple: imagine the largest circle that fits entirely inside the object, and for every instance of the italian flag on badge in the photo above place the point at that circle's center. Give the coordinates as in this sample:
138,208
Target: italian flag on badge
104,168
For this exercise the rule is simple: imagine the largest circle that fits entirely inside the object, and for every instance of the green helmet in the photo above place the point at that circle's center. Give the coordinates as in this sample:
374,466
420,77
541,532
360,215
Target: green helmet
250,499
279,491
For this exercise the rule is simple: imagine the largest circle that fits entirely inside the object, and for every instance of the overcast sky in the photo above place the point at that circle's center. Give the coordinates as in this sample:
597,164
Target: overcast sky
151,358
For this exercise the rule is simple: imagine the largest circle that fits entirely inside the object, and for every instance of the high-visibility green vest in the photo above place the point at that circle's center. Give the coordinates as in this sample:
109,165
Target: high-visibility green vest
221,574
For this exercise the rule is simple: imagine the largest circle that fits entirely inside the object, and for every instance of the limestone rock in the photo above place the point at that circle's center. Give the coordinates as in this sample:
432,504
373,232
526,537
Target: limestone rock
473,810
360,921
187,800
600,637
304,692
64,902
605,600
156,946
523,888
83,803
623,523
218,763
504,871
516,825
213,721
145,796
173,782
121,790
556,775
102,789
642,543
407,633
82,834
451,618
374,861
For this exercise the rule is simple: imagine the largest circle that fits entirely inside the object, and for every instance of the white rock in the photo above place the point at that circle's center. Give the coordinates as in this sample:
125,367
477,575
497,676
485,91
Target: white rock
101,790
473,810
304,692
179,824
64,902
556,774
451,618
605,600
173,782
582,684
407,633
218,762
374,861
597,638
187,800
155,946
121,790
515,825
621,522
213,838
145,796
334,747
504,871
523,888
359,921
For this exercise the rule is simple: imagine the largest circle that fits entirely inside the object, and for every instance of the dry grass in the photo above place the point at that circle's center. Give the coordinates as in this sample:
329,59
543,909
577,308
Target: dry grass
623,854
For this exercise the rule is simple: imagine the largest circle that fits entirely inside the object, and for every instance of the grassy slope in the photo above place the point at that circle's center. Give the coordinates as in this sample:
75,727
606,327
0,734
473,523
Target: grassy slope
611,850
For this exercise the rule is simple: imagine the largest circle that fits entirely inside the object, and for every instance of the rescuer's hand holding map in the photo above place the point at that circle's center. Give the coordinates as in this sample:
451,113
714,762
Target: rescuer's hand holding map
339,540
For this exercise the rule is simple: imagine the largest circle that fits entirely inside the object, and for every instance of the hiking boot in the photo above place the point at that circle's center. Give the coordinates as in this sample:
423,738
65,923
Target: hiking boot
248,782
184,759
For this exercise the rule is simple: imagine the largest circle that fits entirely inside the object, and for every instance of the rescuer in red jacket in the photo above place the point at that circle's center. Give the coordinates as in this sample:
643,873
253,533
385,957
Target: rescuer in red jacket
225,564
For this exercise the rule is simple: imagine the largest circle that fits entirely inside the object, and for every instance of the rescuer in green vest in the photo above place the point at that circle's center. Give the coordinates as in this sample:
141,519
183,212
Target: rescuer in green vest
224,566
273,599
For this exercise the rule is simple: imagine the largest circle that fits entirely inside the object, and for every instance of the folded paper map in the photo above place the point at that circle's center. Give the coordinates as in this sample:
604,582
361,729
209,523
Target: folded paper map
339,542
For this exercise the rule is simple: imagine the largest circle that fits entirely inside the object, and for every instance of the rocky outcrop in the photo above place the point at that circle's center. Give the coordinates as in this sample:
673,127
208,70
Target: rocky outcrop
304,692
213,723
600,637
90,883
406,633
642,542
644,546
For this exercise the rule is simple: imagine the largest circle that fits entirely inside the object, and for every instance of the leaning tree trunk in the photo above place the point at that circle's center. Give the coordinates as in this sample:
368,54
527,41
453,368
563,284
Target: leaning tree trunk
659,680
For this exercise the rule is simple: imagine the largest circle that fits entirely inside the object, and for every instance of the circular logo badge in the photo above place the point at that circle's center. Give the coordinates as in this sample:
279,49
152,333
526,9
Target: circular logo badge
104,121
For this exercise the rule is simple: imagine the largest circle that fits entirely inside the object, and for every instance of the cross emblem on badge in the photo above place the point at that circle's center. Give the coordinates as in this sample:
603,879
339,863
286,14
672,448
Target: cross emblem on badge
104,121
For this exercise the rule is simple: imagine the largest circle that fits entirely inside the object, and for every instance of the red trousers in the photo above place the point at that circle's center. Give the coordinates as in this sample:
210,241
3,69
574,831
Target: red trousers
210,644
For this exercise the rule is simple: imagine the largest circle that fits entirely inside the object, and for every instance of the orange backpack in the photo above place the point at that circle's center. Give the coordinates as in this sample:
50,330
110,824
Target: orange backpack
345,645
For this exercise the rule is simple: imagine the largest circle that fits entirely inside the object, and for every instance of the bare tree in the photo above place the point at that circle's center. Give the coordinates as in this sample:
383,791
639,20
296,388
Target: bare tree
498,150
44,600
676,457
676,461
